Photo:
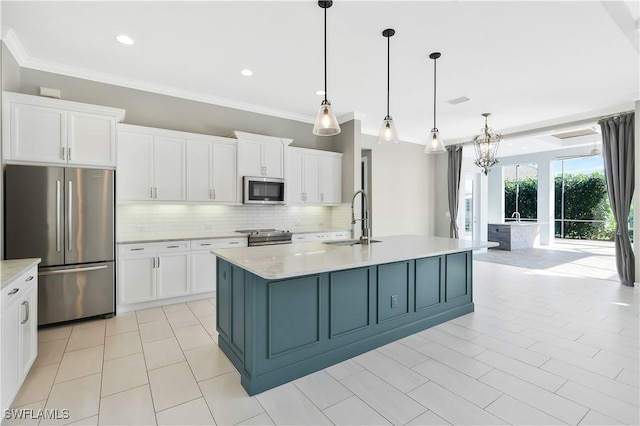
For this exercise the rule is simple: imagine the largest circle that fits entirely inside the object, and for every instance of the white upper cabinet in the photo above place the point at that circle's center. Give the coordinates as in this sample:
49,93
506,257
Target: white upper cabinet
199,170
91,139
330,178
224,172
135,166
167,165
314,177
260,155
150,167
169,169
45,130
211,170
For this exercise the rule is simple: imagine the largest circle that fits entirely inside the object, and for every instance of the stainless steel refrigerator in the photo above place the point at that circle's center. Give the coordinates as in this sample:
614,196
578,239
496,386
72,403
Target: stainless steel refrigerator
65,216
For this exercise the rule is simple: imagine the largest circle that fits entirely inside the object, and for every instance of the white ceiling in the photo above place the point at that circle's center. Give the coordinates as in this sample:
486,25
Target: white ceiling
531,64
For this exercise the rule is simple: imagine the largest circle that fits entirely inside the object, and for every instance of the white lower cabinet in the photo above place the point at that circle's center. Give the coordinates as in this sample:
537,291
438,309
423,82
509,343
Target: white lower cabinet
154,271
172,274
203,262
137,278
19,327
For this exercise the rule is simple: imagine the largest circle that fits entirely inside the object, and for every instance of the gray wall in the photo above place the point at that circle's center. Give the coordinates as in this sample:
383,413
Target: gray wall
10,71
403,188
168,112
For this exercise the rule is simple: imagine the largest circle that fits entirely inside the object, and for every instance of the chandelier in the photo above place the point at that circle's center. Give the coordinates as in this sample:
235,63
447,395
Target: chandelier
486,146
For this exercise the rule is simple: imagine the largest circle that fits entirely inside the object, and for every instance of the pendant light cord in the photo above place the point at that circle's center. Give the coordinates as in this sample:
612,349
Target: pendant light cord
325,54
434,93
388,68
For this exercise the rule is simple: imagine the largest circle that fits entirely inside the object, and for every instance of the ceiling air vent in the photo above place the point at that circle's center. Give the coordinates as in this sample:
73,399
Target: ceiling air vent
574,133
459,100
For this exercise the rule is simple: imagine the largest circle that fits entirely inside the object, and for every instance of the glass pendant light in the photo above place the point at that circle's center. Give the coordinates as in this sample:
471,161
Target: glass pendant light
434,144
326,123
388,133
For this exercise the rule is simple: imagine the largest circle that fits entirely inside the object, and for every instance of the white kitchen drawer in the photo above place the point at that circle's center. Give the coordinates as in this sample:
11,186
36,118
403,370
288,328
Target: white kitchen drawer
145,248
315,236
216,243
342,235
14,291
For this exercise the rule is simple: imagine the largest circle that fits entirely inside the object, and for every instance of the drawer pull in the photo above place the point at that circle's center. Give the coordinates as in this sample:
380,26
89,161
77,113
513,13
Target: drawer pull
173,246
205,244
136,249
30,278
14,291
234,242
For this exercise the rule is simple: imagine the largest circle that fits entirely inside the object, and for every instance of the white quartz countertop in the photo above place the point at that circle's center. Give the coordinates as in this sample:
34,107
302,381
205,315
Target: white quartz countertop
292,260
10,270
161,237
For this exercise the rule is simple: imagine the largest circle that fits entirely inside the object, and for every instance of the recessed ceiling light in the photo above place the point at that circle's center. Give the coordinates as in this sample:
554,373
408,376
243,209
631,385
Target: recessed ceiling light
246,73
320,92
125,39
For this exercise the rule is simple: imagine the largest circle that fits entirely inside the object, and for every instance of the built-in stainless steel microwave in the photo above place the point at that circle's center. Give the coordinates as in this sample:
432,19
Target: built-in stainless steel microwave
263,190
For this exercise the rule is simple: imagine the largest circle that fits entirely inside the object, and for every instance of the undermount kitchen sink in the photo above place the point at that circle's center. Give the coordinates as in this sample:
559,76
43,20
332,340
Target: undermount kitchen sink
348,242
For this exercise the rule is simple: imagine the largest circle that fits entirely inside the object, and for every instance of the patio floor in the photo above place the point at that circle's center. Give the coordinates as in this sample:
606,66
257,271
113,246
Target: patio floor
586,258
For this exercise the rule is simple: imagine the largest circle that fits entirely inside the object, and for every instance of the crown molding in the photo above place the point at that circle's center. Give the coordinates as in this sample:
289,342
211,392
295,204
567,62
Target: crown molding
25,61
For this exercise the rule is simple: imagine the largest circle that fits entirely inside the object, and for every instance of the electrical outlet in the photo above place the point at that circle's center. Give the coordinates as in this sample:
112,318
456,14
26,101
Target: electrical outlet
394,301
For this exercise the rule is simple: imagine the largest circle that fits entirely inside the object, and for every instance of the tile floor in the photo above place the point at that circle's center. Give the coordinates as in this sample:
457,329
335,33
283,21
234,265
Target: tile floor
544,346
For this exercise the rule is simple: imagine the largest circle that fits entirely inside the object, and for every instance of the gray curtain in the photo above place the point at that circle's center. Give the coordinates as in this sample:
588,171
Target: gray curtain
454,154
618,156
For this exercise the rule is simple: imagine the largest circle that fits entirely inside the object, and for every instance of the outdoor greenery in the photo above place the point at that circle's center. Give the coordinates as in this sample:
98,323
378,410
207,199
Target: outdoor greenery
585,198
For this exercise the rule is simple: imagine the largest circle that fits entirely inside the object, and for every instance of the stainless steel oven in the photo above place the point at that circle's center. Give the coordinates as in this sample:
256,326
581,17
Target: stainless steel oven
262,190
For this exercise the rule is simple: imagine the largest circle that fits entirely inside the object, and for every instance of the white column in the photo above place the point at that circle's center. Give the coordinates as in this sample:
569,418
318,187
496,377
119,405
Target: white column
495,188
546,203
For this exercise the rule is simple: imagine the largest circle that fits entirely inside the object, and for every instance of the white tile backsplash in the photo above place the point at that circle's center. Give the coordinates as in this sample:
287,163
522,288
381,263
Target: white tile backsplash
160,219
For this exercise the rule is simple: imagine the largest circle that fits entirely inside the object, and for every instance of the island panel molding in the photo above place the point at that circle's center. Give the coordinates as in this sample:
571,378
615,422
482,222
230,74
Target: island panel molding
283,326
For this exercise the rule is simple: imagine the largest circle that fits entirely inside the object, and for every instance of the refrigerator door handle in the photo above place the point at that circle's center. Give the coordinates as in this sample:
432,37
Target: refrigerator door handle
58,217
70,217
69,271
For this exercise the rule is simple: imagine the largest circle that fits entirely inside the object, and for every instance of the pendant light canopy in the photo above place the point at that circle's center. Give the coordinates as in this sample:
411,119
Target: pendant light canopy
388,133
486,145
326,123
434,144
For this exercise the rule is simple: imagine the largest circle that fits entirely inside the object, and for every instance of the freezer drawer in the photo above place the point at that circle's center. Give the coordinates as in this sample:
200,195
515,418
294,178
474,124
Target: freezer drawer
74,292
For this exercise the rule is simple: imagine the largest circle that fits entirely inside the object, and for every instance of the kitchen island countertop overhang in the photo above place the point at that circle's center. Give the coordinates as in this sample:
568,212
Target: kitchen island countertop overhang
289,310
292,260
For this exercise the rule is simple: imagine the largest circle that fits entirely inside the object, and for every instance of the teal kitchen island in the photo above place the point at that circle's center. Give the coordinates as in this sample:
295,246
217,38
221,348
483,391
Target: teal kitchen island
284,311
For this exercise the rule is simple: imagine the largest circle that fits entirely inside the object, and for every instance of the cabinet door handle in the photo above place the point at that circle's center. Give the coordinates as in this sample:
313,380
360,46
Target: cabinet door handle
29,279
151,189
210,194
224,275
62,151
155,192
205,244
158,261
12,292
173,246
214,194
153,262
322,196
69,154
137,249
234,242
26,305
